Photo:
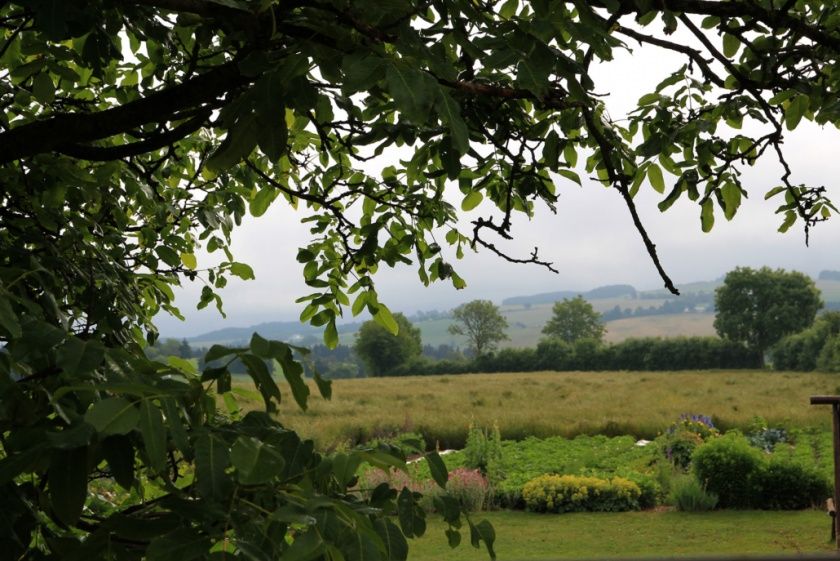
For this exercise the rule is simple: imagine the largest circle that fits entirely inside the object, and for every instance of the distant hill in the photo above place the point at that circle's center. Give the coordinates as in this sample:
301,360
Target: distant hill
829,275
609,291
527,315
290,331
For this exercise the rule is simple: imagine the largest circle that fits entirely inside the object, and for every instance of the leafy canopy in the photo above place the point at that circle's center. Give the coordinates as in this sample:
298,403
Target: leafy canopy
382,351
481,323
135,133
759,307
574,319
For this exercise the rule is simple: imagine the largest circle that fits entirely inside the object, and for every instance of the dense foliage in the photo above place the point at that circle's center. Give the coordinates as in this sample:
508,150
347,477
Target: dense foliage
812,348
135,133
574,319
481,322
759,307
384,352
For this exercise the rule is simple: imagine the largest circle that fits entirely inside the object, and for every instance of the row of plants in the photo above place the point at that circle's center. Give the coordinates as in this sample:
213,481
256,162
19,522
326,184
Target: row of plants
690,466
649,353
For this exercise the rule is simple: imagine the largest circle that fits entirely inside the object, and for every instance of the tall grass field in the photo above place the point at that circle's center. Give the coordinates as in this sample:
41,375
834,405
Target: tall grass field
544,404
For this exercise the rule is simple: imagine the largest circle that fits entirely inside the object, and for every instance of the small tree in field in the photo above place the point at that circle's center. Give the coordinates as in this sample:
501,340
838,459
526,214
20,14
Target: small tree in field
382,351
481,323
759,307
574,319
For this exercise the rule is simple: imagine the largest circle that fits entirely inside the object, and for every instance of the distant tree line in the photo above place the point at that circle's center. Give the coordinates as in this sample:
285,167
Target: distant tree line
829,275
699,302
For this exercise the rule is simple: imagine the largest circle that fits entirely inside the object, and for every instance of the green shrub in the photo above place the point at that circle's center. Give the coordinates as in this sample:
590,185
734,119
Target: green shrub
483,450
728,466
572,493
814,348
829,358
680,440
649,488
688,495
784,485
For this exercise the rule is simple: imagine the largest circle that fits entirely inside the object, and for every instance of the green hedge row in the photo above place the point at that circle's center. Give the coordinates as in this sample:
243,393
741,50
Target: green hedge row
651,353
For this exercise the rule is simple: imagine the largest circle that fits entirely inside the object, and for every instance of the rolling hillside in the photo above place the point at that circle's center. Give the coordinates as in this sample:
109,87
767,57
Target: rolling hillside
527,315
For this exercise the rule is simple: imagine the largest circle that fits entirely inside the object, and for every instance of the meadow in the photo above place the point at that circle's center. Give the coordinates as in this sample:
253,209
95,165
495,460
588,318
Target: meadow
545,404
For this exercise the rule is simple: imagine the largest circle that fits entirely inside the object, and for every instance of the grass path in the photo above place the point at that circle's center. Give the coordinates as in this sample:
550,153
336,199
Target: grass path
523,536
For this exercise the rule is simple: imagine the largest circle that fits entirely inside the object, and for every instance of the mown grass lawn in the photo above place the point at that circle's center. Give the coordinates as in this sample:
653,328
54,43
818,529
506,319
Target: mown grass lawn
522,536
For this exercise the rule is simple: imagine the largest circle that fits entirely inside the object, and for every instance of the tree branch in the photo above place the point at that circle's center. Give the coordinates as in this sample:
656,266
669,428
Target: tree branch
70,129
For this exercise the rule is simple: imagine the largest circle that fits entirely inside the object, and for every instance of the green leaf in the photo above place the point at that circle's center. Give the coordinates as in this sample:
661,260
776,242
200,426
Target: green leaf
189,260
671,198
211,460
790,218
411,91
154,436
262,200
781,97
472,200
483,531
67,477
707,215
306,546
119,453
731,45
731,194
551,150
113,415
43,88
176,426
774,191
219,351
453,537
272,130
361,72
648,99
569,174
384,318
169,255
654,174
238,144
184,544
437,469
396,548
411,516
262,378
570,154
796,110
359,303
8,319
450,113
243,271
255,462
324,386
79,358
293,373
331,335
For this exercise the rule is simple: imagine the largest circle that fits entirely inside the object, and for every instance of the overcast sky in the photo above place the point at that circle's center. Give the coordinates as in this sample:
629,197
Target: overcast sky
591,240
